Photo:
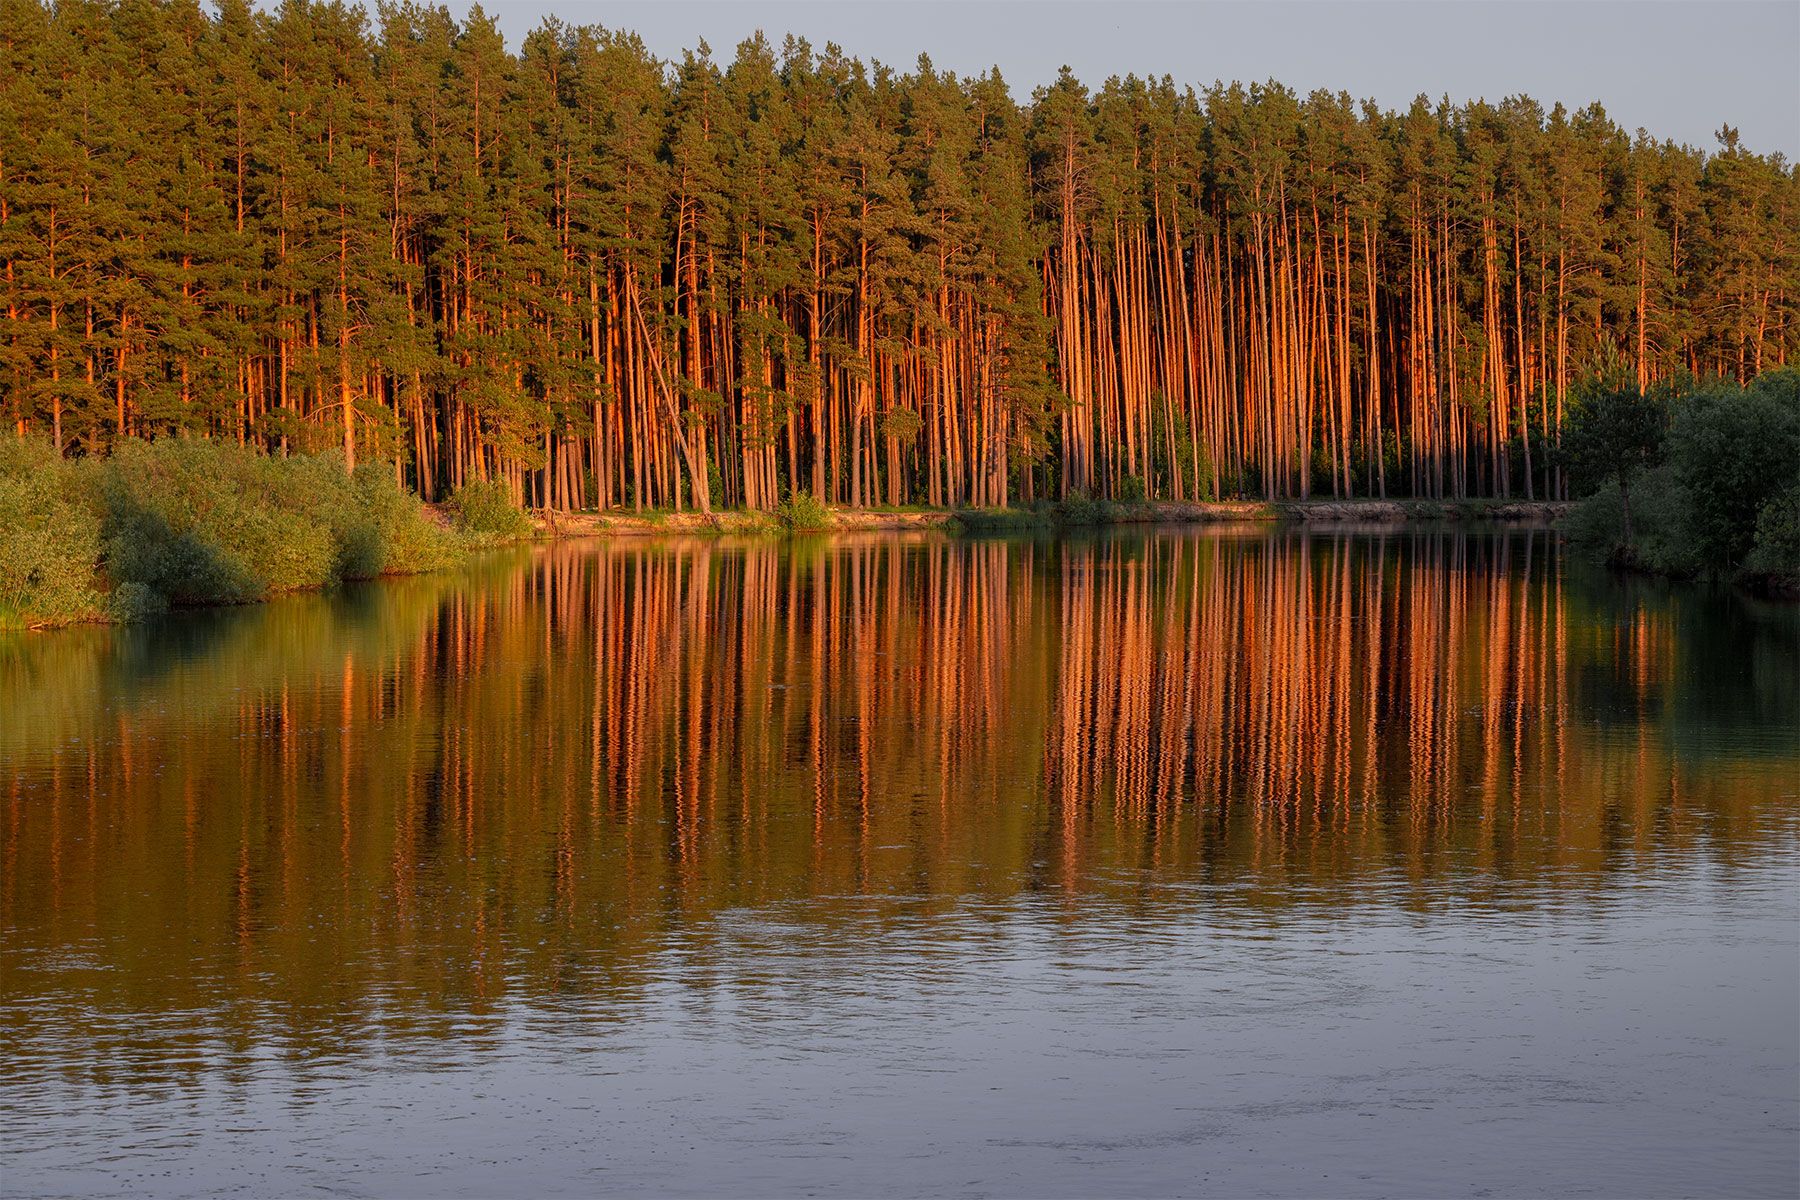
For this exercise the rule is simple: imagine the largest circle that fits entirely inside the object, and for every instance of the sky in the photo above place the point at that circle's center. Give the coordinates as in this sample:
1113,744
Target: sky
1677,68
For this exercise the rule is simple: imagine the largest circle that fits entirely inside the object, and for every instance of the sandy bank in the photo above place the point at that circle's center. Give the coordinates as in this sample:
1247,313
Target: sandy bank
1362,512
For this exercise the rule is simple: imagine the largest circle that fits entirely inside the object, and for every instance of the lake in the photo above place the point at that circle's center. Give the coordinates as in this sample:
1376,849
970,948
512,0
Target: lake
1245,861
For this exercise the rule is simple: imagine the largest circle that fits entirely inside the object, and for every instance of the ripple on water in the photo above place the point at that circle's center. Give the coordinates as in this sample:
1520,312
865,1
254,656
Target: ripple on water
1298,865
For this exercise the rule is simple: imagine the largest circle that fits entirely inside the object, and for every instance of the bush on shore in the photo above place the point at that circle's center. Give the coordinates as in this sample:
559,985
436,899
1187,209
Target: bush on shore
397,538
1077,508
205,522
801,512
49,539
999,520
200,522
484,513
1774,559
1719,495
184,522
1734,450
1658,543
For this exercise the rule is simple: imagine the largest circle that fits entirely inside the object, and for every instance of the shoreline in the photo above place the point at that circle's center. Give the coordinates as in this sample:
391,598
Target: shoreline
553,527
559,526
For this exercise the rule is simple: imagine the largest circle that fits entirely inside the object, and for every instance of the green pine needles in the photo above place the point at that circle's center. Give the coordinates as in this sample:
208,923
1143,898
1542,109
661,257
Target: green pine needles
610,281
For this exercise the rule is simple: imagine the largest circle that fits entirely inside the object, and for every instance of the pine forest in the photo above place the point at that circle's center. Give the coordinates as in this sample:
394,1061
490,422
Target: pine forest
605,280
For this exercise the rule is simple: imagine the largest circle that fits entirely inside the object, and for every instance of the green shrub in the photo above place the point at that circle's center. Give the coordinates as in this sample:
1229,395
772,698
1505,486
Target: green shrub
801,512
1077,508
49,537
1659,517
1131,490
1615,431
195,522
202,522
1775,553
1207,483
392,536
361,551
1596,524
996,520
484,512
1733,450
1716,497
416,544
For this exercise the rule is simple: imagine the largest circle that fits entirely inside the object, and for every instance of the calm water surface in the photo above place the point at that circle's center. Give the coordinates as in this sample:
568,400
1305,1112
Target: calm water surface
1177,862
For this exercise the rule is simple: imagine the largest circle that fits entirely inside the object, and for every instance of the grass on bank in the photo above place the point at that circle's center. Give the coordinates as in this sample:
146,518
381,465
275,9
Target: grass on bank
194,522
1077,510
1691,483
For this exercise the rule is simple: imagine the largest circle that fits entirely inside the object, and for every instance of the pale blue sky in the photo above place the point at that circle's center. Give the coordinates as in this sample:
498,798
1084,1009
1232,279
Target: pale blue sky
1678,68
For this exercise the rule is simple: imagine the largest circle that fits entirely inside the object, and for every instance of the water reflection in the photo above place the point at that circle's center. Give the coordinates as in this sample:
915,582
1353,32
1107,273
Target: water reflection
421,817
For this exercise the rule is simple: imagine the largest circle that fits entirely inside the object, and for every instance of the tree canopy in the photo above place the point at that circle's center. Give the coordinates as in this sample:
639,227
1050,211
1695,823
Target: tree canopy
602,279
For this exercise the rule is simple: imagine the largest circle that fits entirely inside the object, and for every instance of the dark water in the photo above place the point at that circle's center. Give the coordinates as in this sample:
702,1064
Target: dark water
1172,863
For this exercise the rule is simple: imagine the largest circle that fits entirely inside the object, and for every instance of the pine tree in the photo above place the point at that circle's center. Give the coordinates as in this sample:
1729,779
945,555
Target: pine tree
607,280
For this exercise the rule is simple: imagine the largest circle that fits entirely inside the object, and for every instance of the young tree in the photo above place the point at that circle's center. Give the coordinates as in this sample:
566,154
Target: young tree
1613,432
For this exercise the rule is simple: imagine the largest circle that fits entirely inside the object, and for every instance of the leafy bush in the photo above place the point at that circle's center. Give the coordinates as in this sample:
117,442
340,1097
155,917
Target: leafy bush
1077,508
1205,477
1594,525
49,538
1716,496
1775,553
1659,514
361,551
195,522
393,535
202,522
132,602
801,512
484,512
1131,490
1734,450
997,520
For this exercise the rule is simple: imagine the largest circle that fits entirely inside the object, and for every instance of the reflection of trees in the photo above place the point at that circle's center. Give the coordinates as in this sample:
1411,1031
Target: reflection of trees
1728,664
79,683
344,814
1333,705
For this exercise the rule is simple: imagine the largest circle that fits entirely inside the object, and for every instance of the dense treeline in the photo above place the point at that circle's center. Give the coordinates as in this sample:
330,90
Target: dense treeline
1690,481
606,280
